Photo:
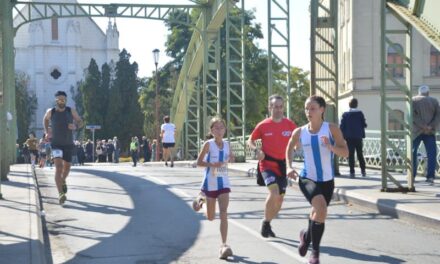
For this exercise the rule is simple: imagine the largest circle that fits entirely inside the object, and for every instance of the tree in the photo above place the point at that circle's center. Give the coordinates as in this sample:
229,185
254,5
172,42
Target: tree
26,104
77,97
123,112
103,97
300,84
90,90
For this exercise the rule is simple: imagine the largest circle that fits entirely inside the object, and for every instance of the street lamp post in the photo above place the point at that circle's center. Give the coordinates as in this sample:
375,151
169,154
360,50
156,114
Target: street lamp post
156,61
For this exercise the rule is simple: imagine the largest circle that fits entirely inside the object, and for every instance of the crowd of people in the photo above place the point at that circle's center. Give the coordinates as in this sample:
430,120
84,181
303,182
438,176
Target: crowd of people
37,152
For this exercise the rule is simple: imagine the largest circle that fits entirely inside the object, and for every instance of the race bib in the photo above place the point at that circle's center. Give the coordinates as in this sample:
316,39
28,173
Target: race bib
220,172
57,153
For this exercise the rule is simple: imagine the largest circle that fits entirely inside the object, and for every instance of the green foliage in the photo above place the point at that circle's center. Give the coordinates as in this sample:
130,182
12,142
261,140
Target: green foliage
91,98
77,97
300,84
25,105
124,116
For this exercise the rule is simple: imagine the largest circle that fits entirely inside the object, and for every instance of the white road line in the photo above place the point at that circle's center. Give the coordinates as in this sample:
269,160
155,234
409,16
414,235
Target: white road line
275,245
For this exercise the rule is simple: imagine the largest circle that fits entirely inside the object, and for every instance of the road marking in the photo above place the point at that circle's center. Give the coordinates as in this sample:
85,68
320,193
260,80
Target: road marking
275,245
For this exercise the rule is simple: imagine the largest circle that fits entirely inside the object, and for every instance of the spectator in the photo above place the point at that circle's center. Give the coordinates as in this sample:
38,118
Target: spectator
426,118
353,128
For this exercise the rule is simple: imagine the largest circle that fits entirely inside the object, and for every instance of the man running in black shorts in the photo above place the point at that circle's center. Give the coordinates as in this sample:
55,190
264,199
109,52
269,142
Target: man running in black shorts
63,120
274,132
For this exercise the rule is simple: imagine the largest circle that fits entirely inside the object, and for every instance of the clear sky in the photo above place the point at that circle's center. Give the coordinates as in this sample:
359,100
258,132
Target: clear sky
141,36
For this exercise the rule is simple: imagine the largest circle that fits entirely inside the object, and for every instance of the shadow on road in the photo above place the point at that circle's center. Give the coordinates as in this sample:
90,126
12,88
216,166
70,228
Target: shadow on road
148,236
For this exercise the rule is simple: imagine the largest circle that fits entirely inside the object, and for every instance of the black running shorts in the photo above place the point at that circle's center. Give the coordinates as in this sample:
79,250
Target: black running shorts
67,151
311,189
168,145
271,178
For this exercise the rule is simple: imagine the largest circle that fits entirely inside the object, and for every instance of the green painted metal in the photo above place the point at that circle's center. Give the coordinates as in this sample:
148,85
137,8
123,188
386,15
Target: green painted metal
235,77
390,95
422,15
41,10
7,84
192,124
192,66
279,44
324,54
324,57
213,89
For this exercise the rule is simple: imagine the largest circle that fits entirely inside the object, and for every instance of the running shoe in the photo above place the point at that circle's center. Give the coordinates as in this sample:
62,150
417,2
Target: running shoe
314,257
198,202
266,229
225,252
64,187
303,243
62,198
166,163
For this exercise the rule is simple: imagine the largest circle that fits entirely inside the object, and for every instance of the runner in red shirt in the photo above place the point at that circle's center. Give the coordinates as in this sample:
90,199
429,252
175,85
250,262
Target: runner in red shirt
274,133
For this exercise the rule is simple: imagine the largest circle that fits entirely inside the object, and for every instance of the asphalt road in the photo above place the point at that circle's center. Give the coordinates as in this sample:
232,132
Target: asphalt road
121,214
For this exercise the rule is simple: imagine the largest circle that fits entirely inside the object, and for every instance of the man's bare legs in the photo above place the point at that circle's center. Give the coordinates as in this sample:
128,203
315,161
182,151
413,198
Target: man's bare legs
62,169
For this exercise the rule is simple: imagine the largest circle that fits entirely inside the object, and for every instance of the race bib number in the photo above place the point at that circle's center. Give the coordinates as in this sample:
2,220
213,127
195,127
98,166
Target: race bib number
220,172
57,153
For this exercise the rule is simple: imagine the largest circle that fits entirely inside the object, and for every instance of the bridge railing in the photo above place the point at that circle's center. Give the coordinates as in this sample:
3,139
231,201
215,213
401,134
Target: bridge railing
371,147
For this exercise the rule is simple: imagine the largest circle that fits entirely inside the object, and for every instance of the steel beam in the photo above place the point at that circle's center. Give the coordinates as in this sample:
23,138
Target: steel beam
235,78
279,47
403,146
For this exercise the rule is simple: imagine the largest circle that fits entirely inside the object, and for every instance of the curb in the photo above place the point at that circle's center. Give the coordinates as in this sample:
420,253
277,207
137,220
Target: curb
385,207
38,255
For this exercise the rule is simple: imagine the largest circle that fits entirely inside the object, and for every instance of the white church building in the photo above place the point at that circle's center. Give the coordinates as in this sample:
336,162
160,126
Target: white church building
55,52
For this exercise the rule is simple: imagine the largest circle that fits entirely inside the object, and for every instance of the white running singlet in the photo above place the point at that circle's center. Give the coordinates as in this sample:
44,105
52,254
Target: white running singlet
216,178
318,159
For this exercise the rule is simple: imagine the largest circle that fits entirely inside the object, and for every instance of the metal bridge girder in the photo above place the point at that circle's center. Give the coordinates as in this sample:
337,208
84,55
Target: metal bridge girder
278,21
235,79
39,10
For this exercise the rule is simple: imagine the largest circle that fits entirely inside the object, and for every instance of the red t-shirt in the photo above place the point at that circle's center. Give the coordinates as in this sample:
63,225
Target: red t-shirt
274,137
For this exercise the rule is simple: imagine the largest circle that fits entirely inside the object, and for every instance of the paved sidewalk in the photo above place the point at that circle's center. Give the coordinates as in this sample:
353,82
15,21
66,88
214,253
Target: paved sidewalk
421,208
21,236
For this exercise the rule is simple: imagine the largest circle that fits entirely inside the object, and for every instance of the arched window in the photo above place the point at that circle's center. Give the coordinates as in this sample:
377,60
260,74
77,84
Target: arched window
393,120
393,57
54,28
435,61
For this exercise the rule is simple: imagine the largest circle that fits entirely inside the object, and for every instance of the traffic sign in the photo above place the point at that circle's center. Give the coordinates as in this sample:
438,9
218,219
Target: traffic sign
93,127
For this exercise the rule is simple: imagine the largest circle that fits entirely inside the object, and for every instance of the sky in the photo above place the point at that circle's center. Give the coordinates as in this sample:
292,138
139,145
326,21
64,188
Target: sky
141,36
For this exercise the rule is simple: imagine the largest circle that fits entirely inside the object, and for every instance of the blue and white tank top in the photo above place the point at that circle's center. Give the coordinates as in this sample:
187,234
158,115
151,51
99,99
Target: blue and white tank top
216,178
318,159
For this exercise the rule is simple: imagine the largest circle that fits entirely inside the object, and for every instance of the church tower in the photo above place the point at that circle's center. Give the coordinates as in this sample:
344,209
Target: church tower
112,35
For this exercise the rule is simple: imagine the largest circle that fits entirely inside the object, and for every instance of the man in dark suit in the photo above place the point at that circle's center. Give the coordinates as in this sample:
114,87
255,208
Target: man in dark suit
353,128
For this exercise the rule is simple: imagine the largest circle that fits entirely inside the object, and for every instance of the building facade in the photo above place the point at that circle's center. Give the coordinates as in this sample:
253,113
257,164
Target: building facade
54,54
360,61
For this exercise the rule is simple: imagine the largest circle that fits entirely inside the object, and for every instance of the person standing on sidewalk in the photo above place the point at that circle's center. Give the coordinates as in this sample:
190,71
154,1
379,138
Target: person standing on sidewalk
168,129
320,141
134,150
426,118
215,156
63,121
274,133
353,128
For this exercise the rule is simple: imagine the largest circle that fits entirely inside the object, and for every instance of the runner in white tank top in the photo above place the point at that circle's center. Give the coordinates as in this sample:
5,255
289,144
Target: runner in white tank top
319,165
215,156
216,179
320,141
